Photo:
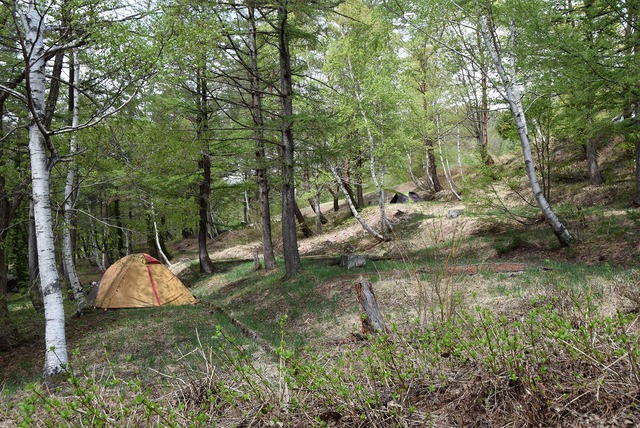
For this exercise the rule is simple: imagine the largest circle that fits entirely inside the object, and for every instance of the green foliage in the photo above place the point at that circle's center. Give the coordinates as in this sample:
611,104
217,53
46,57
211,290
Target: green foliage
544,358
506,127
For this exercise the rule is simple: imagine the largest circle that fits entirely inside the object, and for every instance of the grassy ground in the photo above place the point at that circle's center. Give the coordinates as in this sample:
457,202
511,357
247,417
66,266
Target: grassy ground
551,343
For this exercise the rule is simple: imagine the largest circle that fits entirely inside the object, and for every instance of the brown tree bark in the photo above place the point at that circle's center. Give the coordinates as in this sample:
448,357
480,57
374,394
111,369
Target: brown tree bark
484,120
372,321
258,135
592,163
431,166
206,265
289,239
306,230
335,195
432,173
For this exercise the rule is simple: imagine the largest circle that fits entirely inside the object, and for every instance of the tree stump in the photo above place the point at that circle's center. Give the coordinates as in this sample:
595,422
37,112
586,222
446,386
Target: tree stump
372,321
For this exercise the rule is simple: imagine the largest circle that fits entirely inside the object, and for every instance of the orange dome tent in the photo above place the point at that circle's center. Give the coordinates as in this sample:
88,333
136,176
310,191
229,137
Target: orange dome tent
139,281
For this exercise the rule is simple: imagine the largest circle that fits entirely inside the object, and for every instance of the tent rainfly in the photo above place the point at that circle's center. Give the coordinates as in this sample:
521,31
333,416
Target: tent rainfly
139,281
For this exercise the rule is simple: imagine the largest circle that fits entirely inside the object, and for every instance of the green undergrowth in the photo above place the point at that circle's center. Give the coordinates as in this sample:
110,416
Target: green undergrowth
546,355
549,361
260,299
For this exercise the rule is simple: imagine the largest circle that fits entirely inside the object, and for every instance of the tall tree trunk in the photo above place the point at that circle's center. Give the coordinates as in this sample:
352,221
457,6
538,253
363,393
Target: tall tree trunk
515,103
592,163
385,225
117,217
289,239
70,197
431,168
431,165
258,135
484,120
56,357
206,265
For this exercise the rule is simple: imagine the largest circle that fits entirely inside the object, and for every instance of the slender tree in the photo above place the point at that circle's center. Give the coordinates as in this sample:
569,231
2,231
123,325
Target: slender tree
289,238
33,26
513,97
206,265
258,135
70,192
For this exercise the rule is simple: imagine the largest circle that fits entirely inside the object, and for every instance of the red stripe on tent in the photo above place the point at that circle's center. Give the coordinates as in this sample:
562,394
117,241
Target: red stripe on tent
153,285
150,259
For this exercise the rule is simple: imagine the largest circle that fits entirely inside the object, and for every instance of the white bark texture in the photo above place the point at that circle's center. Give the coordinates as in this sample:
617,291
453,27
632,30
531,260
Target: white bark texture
447,172
157,237
512,93
69,204
385,225
56,357
95,250
352,207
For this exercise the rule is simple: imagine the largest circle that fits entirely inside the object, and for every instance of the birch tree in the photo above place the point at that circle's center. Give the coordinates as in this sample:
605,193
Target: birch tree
32,23
361,64
33,20
70,193
511,91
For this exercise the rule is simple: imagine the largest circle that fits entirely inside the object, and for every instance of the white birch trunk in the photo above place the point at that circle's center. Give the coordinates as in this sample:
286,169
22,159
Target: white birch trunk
247,207
162,254
69,204
56,357
352,207
318,215
385,226
446,173
157,236
515,103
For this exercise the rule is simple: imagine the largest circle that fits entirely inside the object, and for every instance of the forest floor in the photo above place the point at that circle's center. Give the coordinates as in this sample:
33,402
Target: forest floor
446,257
